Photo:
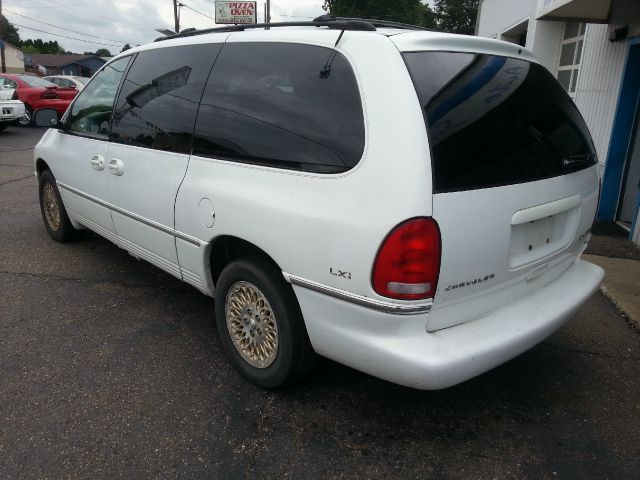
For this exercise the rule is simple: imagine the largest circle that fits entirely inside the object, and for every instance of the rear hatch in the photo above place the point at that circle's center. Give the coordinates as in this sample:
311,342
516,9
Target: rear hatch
514,178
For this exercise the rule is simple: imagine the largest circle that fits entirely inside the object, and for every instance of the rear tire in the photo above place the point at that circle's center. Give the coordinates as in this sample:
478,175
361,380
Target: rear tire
260,323
55,217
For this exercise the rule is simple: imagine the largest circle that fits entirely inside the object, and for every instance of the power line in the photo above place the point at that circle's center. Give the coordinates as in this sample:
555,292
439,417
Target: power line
190,8
70,38
62,28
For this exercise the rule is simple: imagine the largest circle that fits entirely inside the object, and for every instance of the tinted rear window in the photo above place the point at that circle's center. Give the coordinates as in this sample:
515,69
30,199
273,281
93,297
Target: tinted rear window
495,121
266,103
35,81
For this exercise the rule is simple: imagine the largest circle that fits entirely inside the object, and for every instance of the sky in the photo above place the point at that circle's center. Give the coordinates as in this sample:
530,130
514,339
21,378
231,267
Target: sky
117,22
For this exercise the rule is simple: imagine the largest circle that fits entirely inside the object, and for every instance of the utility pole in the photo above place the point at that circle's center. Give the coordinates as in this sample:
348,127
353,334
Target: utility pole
176,15
267,13
2,33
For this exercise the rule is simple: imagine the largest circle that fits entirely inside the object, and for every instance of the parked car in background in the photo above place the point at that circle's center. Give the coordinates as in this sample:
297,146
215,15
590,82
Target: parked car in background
6,91
68,81
37,93
11,111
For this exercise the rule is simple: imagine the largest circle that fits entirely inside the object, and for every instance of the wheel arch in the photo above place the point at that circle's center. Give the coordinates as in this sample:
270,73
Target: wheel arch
227,248
41,166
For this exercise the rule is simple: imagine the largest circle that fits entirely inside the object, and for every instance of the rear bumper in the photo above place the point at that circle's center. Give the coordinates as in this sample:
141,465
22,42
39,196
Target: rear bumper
398,348
11,110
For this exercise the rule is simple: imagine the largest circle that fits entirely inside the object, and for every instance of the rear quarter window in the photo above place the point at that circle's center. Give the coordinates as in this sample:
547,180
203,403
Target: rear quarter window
495,121
266,103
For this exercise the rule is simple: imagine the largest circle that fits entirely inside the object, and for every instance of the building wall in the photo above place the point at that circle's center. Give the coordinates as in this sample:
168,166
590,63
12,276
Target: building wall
543,38
601,72
93,64
14,59
496,16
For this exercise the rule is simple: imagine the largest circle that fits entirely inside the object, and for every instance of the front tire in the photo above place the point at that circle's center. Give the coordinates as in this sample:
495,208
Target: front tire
54,214
260,323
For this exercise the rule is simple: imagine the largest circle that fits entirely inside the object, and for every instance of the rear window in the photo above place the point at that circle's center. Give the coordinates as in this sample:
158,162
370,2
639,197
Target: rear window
495,121
35,81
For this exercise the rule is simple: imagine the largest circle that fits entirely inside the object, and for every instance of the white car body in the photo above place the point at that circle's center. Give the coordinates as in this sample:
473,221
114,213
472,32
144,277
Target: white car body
494,299
66,81
6,93
10,110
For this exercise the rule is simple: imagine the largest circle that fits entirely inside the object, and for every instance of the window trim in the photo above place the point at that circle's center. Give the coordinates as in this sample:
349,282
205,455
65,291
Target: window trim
580,37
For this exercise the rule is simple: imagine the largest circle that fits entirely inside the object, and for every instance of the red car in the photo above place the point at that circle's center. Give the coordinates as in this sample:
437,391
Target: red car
37,93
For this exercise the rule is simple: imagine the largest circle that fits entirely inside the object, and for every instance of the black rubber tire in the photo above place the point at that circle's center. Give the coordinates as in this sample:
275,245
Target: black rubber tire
65,231
3,125
28,112
295,357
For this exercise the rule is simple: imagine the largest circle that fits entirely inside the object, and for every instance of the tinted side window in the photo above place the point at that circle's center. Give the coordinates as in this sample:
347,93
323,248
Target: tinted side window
496,121
91,112
159,98
267,103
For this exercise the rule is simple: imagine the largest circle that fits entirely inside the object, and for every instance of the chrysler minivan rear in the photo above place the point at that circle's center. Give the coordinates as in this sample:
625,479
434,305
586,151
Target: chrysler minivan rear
514,178
515,190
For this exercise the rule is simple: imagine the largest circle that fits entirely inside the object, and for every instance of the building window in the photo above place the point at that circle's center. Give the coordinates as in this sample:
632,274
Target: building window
570,56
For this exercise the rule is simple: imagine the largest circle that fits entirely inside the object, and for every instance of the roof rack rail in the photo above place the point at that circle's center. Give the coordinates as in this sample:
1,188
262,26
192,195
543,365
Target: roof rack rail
337,24
386,23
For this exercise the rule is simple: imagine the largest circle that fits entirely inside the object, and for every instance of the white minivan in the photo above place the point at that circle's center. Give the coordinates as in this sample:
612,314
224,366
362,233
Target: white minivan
409,203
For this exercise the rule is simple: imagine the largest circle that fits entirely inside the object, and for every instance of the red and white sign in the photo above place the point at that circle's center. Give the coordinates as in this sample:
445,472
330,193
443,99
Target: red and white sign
236,12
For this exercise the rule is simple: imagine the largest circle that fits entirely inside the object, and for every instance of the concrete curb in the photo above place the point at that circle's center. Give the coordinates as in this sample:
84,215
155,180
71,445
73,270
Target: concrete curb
621,284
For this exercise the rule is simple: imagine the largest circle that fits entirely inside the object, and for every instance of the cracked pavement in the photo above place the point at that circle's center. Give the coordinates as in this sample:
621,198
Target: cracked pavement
110,368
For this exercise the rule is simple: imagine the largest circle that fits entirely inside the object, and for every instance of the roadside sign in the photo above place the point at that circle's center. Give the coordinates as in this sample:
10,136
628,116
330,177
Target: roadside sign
236,12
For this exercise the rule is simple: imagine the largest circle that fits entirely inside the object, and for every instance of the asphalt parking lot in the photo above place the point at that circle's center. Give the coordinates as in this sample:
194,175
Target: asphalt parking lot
110,368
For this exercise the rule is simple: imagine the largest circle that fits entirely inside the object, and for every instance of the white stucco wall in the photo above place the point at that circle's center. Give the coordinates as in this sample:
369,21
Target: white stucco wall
14,59
543,38
496,16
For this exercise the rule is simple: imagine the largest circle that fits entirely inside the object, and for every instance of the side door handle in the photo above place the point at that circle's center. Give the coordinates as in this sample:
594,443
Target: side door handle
97,162
116,166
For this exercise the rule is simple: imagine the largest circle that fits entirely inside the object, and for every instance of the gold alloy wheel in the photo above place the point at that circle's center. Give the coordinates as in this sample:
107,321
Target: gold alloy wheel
50,206
251,324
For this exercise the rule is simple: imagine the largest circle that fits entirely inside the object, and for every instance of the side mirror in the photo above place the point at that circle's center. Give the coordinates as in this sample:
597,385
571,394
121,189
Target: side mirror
46,117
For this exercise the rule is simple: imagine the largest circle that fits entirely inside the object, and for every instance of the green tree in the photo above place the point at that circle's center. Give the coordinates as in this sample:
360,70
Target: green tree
456,16
103,52
40,46
126,47
403,11
10,32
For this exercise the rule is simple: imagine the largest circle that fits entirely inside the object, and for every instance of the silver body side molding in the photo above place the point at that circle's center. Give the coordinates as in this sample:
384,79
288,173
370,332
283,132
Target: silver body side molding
126,213
374,304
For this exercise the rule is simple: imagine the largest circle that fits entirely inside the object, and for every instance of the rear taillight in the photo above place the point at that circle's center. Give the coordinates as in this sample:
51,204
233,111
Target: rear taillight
49,95
15,95
408,261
